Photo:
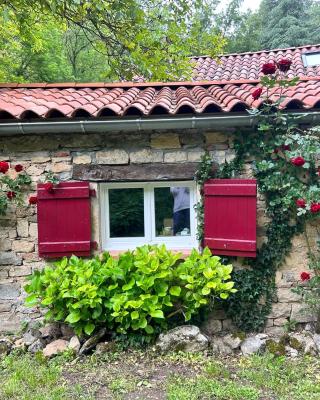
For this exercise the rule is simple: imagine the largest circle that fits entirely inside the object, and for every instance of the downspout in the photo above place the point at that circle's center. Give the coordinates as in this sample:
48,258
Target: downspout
142,124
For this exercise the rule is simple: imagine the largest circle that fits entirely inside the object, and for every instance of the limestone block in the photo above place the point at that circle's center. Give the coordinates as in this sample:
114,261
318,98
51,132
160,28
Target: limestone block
175,156
82,159
61,167
22,270
165,141
10,258
22,246
286,295
10,323
146,156
33,229
275,331
35,170
23,228
5,244
301,314
211,326
5,307
9,291
280,310
191,139
216,137
195,156
12,233
280,321
112,157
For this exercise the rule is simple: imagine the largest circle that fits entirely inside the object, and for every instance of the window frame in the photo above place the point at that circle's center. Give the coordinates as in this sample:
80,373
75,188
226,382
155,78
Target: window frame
171,242
305,58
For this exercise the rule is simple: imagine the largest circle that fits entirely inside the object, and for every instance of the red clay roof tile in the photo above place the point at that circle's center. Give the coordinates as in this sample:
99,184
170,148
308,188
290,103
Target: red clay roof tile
224,85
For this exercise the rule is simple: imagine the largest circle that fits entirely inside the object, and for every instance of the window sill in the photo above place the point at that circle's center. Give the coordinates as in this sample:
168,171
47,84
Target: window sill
184,252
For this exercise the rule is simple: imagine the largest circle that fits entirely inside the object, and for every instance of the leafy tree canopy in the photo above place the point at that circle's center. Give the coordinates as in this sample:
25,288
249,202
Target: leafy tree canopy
131,37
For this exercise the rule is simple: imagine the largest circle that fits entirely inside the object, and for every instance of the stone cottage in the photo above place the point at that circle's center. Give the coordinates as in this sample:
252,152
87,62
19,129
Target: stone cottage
126,151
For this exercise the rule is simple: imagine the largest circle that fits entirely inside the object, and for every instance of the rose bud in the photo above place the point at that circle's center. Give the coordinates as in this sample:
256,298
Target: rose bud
315,208
298,161
301,203
11,195
18,168
4,166
305,276
256,93
33,200
48,186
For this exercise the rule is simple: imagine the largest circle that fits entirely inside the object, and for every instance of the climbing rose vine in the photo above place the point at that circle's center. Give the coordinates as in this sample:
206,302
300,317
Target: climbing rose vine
13,180
286,166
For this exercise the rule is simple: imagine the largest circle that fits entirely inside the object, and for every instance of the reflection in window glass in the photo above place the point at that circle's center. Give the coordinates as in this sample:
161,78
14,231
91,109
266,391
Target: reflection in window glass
312,59
126,210
172,210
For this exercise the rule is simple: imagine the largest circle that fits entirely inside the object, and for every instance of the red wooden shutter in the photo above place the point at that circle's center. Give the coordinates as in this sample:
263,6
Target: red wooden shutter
64,226
230,213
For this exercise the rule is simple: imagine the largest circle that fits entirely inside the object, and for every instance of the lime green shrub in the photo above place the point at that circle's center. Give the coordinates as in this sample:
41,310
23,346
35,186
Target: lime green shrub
139,291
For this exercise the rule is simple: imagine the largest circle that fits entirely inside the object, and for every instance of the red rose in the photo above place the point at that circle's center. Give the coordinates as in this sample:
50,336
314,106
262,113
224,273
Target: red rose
4,166
18,168
256,93
305,276
301,203
276,150
11,195
284,64
298,161
318,171
48,187
33,200
315,208
269,68
285,147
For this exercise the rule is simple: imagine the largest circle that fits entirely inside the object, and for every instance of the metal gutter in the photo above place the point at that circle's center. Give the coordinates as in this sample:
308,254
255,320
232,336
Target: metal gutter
129,124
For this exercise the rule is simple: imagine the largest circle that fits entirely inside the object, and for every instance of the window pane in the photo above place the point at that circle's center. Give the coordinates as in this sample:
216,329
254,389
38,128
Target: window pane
172,210
313,59
126,211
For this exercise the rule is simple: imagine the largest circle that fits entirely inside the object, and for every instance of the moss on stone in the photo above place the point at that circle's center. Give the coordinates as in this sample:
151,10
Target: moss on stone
239,334
295,344
276,348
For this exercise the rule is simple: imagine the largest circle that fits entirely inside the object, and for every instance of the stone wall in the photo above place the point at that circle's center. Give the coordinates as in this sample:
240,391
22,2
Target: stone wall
79,156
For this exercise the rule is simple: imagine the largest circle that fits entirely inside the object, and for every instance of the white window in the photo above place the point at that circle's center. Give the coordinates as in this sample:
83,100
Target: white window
311,59
134,214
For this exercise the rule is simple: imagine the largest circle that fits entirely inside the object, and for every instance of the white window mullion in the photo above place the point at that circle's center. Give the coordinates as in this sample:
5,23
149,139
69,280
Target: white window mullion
148,213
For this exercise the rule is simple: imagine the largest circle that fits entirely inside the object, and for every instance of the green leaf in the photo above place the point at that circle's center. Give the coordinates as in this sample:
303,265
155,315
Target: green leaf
73,317
89,328
31,300
135,315
149,329
224,295
205,291
129,285
175,290
157,314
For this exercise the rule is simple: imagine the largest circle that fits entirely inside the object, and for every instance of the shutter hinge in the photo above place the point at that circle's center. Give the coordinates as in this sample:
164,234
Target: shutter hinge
92,193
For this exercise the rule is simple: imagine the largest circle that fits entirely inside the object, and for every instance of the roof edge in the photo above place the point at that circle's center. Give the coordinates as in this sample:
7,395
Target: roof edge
260,51
97,85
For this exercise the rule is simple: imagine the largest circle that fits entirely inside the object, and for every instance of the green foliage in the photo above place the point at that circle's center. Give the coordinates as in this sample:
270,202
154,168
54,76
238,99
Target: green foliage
139,291
281,183
12,182
92,40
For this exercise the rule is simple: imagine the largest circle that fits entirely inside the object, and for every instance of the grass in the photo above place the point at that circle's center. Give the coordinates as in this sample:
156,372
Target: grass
145,375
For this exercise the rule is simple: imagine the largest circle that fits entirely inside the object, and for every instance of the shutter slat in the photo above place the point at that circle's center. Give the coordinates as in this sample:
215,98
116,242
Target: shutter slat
230,216
64,226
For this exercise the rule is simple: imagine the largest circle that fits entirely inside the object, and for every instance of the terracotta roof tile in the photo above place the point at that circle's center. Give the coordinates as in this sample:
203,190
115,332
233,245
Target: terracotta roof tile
223,85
